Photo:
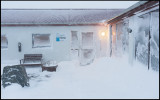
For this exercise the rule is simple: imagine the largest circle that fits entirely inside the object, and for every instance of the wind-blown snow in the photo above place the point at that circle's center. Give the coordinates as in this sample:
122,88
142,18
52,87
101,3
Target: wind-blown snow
105,78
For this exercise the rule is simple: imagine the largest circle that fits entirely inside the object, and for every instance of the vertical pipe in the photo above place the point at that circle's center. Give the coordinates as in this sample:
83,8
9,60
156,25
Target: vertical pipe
110,40
116,37
149,38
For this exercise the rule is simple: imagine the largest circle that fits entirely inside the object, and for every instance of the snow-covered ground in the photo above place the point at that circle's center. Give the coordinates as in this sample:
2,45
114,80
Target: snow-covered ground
104,78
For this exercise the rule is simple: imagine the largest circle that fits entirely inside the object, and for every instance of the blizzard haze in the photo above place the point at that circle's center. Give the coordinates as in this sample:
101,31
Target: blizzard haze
66,4
103,79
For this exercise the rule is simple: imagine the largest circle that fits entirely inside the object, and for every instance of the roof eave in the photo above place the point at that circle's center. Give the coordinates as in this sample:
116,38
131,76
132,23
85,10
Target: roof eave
46,24
132,8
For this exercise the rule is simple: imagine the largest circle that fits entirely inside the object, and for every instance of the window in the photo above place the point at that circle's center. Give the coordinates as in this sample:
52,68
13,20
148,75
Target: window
74,40
87,39
4,41
40,40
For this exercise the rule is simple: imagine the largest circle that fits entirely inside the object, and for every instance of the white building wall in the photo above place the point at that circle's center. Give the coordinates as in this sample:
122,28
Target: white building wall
132,39
142,24
58,51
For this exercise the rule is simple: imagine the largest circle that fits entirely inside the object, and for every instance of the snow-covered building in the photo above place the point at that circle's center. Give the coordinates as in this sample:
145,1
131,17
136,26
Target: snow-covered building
58,34
84,34
136,32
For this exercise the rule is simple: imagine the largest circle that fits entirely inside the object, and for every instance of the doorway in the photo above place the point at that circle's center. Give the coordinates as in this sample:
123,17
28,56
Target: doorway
87,48
82,47
74,45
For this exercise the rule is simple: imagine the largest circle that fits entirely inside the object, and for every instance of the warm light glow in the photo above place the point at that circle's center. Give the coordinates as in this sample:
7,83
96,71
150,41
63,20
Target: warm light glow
103,33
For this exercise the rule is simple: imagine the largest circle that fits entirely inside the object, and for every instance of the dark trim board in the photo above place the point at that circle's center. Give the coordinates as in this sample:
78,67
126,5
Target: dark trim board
61,9
98,24
142,8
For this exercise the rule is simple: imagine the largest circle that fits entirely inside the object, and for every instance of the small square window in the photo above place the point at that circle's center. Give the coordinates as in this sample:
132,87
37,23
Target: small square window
4,42
41,40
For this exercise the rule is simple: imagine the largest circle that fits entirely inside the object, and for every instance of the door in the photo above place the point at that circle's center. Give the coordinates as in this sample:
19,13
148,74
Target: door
74,45
87,52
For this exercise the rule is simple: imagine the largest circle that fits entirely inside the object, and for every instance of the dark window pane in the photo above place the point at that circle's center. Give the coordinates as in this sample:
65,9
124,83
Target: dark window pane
41,40
4,42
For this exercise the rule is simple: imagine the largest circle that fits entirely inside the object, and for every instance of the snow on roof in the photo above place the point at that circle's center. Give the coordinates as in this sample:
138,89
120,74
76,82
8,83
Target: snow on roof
139,6
57,16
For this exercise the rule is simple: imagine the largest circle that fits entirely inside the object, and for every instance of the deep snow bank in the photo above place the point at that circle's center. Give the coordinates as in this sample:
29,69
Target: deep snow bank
105,78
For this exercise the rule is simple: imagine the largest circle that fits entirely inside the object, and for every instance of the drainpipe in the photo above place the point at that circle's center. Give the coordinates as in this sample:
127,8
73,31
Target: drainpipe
149,39
110,38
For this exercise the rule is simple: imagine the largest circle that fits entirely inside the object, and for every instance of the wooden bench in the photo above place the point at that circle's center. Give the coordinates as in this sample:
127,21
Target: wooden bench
31,60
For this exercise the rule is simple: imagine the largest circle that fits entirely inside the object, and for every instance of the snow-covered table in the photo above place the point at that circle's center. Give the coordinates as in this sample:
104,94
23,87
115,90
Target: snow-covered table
49,66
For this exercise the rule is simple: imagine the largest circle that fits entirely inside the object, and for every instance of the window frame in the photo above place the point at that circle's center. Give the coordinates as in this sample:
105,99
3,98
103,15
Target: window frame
84,46
4,47
49,45
77,37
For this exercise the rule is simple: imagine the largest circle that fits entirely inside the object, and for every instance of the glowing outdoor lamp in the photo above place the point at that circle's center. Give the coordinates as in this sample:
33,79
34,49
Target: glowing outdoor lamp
103,34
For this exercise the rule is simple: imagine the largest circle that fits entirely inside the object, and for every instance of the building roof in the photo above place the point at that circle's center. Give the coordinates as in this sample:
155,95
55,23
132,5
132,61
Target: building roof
138,7
57,16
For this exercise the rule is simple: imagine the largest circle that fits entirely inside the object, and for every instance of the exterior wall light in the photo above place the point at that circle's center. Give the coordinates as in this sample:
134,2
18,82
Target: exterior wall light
129,30
103,34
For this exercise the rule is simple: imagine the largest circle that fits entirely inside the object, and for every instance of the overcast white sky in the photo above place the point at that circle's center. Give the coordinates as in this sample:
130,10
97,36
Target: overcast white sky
67,4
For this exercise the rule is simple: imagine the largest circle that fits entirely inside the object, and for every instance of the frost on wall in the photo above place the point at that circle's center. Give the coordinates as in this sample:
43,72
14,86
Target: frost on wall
154,40
119,32
142,53
142,38
120,38
148,53
125,36
41,40
4,41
